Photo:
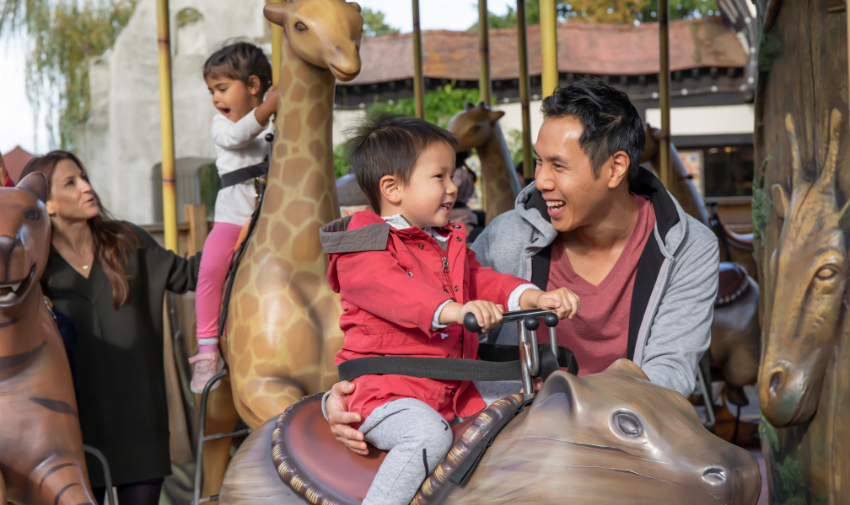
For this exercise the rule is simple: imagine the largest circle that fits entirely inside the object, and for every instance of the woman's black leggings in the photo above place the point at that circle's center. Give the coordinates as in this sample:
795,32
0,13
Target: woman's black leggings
138,493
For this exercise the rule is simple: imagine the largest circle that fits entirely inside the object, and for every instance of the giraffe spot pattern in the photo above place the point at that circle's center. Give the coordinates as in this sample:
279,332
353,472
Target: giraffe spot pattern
317,116
306,246
299,211
280,236
271,202
294,170
298,92
292,125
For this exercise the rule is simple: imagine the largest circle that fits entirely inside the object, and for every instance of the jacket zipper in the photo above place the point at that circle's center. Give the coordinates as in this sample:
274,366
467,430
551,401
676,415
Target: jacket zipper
449,281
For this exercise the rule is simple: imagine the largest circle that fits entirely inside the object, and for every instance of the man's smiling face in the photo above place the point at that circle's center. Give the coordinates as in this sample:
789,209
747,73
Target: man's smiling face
564,175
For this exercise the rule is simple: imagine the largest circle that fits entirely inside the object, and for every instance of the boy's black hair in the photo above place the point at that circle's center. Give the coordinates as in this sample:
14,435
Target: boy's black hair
389,144
610,121
240,61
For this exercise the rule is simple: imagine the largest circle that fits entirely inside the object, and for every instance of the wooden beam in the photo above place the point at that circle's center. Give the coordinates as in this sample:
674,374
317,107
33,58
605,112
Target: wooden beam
484,84
522,46
418,81
166,119
664,91
549,45
196,216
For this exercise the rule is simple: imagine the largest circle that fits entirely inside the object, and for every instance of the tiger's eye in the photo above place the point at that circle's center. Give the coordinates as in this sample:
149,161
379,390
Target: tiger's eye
628,423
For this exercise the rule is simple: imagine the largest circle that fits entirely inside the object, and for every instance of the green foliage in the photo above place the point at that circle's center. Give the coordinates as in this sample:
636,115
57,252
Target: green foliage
770,46
62,36
340,161
188,16
373,23
768,432
514,141
440,105
210,186
606,11
761,206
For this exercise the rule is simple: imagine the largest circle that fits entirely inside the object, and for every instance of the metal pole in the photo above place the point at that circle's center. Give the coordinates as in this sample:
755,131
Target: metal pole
549,45
277,33
166,118
664,90
522,46
418,82
484,84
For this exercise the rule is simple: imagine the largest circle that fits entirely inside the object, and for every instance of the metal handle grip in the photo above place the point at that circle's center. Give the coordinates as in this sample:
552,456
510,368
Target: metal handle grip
471,324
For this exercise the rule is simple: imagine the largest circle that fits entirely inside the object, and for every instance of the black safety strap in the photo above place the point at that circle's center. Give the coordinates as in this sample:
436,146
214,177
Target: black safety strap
463,472
497,369
245,174
234,265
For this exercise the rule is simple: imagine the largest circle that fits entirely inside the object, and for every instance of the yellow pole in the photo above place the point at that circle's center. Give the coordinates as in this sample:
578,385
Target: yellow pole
484,53
418,81
166,119
277,33
549,45
522,46
664,91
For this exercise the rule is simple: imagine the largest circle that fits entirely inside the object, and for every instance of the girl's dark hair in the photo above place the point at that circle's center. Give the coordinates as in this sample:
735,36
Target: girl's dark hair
240,61
389,144
610,121
114,241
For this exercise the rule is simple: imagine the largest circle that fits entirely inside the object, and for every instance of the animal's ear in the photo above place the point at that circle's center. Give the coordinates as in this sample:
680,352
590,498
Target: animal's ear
35,183
496,115
780,200
844,218
355,5
278,13
468,106
627,368
557,398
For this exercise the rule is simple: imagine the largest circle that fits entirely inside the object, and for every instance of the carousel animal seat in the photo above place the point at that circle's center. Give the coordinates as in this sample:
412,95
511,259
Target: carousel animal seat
314,464
743,240
733,283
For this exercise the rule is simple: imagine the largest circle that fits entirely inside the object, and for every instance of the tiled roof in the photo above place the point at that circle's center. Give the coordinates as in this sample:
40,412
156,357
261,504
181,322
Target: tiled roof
15,160
583,48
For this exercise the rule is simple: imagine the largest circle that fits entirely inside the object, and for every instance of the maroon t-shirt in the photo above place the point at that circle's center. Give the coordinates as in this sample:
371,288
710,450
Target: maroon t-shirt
599,334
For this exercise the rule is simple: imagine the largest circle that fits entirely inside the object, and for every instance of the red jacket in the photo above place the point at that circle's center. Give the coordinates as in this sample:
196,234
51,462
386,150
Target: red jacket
391,282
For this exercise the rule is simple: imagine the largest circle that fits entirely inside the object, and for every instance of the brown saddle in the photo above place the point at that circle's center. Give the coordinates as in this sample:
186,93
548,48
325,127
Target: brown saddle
733,283
319,468
742,240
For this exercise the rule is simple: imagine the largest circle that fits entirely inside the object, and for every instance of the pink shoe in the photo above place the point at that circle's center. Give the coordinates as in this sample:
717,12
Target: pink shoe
206,366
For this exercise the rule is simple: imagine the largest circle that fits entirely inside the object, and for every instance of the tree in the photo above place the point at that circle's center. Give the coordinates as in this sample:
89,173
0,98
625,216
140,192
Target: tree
440,105
373,23
62,36
606,11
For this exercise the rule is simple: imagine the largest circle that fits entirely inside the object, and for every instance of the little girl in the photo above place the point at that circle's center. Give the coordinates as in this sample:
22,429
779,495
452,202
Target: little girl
237,77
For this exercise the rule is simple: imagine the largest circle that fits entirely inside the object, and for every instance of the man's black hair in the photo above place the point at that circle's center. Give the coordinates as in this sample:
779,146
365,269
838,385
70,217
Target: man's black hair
389,144
239,62
610,121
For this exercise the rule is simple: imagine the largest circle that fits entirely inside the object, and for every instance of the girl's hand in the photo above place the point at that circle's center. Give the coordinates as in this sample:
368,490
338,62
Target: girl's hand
561,301
272,98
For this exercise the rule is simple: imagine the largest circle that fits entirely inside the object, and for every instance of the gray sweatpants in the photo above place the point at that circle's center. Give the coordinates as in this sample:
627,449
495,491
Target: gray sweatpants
417,438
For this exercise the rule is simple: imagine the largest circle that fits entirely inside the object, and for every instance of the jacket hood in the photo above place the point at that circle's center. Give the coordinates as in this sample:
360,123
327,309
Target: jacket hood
363,231
670,219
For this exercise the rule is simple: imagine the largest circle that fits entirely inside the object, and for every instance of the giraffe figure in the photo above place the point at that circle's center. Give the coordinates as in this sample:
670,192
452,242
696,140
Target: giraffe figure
282,330
477,127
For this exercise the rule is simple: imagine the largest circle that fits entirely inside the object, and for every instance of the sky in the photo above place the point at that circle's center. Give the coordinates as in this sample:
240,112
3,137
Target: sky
19,127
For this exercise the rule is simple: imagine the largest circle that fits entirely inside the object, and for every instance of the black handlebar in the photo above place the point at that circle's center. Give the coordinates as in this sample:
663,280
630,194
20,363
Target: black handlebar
530,318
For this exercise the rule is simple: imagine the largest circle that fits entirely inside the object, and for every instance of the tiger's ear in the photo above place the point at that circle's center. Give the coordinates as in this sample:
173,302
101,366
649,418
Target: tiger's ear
36,183
780,200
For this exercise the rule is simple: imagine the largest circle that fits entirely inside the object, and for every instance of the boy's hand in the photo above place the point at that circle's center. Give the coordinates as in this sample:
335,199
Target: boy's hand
561,301
488,314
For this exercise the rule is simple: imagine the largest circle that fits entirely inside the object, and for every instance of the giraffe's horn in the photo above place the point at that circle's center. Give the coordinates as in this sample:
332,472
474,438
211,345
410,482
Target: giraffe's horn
277,12
826,181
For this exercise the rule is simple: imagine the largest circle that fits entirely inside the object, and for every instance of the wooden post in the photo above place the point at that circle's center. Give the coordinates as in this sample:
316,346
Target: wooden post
484,84
522,47
166,118
549,45
664,90
418,81
277,33
196,216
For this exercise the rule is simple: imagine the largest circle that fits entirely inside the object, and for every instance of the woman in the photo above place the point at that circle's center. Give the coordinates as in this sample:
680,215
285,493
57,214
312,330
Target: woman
110,277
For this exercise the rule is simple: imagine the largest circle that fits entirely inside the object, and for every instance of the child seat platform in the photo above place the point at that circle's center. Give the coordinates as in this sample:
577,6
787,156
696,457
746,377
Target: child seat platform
318,467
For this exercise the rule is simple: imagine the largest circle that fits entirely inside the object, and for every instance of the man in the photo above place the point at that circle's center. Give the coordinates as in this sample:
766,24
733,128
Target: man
598,224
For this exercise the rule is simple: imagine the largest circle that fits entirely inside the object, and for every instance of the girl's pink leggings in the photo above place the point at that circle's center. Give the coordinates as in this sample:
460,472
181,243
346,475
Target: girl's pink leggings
215,261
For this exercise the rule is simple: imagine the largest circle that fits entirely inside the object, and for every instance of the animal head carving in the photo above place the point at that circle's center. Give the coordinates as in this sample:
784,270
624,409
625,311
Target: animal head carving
325,33
474,125
810,271
24,240
615,437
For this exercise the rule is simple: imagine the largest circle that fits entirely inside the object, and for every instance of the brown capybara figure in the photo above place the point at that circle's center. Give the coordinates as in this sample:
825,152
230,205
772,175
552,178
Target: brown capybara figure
41,447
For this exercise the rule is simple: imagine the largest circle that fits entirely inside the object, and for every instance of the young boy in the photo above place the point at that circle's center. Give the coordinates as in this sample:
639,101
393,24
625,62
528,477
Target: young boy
407,280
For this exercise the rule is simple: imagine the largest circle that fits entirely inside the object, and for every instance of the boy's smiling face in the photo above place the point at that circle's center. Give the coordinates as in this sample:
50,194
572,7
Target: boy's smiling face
426,199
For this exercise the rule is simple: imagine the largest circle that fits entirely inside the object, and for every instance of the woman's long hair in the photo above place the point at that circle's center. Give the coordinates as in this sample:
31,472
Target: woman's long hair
114,241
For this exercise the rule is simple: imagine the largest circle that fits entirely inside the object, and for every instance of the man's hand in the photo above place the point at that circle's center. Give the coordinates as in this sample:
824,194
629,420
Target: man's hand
339,418
563,302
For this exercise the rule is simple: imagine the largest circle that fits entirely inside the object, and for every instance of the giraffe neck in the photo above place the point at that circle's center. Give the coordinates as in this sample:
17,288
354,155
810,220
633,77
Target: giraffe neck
500,180
301,181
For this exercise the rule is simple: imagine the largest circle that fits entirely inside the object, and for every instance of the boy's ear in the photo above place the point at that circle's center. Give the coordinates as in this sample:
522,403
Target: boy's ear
390,189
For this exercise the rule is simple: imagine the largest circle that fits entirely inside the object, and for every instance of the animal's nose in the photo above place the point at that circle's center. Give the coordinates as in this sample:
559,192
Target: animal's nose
777,381
715,475
7,245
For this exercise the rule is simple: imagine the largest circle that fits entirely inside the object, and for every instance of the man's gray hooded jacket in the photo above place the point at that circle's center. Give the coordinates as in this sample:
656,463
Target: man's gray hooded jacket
675,286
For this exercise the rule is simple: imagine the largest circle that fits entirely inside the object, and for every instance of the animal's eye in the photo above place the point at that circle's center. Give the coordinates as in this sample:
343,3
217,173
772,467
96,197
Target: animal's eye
301,27
827,272
476,128
32,214
628,423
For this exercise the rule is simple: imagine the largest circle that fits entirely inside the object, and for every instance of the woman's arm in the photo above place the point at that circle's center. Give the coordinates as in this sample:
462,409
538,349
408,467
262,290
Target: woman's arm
181,272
